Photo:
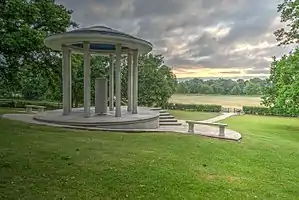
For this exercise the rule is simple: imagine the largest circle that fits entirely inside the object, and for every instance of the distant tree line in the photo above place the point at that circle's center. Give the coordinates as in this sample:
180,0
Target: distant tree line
222,86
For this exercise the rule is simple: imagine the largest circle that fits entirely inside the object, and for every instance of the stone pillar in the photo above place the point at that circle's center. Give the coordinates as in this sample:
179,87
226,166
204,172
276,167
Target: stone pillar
66,80
86,79
135,81
101,96
117,81
111,83
130,80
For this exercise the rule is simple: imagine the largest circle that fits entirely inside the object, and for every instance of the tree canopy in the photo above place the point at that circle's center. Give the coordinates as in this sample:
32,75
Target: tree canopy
281,93
33,71
23,26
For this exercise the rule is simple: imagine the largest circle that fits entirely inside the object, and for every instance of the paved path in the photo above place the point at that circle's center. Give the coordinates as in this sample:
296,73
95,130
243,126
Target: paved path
208,131
220,117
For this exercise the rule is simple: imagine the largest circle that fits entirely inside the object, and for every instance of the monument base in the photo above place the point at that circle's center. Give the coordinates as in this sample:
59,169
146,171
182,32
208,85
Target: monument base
145,119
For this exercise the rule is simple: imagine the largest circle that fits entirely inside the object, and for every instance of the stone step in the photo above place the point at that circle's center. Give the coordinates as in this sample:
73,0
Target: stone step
170,124
156,109
168,120
165,114
166,117
162,111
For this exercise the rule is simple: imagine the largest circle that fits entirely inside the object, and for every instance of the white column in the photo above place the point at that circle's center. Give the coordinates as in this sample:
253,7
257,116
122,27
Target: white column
130,80
86,79
117,81
111,83
66,80
135,81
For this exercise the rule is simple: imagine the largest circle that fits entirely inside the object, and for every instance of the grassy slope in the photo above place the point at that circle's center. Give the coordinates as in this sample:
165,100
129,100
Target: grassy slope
184,115
48,163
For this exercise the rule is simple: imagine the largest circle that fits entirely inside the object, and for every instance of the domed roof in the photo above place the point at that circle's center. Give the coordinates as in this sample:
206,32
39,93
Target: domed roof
102,40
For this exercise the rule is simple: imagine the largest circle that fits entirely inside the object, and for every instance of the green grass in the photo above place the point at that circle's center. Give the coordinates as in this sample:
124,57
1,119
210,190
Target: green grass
39,162
4,110
185,115
229,101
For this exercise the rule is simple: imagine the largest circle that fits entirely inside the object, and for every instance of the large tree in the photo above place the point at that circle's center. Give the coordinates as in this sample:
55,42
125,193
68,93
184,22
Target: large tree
23,26
156,81
281,93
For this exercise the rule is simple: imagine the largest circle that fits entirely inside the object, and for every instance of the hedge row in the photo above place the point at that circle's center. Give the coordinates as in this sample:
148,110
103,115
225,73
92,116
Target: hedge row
193,107
265,111
254,110
16,103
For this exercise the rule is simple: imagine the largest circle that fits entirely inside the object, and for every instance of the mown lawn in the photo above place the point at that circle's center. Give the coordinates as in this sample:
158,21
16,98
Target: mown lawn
4,110
39,162
186,115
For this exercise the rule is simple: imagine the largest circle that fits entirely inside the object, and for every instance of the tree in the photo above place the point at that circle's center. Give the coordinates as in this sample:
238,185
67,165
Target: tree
206,89
221,86
182,88
281,92
290,16
23,26
251,89
156,84
236,90
99,69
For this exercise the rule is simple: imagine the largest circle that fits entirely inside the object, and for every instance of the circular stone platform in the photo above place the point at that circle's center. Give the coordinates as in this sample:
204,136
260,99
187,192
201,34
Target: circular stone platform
145,119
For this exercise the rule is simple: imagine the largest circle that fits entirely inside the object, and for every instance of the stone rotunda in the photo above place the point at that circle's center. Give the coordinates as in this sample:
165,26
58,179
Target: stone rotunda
106,42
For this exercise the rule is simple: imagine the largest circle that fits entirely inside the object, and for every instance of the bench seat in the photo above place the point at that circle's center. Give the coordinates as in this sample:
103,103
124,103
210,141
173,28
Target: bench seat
30,107
220,125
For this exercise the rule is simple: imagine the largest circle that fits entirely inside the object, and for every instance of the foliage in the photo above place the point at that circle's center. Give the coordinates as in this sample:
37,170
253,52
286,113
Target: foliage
193,107
281,93
23,26
255,110
98,66
289,10
221,86
156,84
20,103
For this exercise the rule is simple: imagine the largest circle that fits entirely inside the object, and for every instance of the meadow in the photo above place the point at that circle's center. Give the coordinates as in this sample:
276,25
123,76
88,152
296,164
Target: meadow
228,101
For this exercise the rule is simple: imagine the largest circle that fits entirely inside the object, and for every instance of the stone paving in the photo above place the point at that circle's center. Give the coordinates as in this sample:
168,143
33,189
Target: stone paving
208,131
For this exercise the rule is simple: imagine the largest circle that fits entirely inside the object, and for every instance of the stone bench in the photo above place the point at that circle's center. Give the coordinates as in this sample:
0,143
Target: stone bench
30,107
220,125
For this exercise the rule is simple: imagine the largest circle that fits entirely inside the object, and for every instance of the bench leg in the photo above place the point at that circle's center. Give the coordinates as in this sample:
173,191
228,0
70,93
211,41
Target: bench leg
29,109
221,131
41,110
191,128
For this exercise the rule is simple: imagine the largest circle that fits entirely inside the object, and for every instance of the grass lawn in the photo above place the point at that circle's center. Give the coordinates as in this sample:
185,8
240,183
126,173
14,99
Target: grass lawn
39,162
4,110
229,101
186,115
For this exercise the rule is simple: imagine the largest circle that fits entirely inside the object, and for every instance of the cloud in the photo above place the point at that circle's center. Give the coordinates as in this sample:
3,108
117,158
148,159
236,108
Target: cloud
197,37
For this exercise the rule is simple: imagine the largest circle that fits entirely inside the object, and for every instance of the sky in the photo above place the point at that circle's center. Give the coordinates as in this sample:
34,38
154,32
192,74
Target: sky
198,38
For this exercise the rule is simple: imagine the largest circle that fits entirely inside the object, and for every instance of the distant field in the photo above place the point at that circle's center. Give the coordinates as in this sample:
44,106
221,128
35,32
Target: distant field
225,101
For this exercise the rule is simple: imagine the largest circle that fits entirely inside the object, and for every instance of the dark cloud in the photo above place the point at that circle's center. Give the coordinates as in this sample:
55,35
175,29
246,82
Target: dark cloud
193,33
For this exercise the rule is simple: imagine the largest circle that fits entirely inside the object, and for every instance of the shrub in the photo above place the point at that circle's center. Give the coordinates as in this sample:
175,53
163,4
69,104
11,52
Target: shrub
255,110
265,111
193,107
16,103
